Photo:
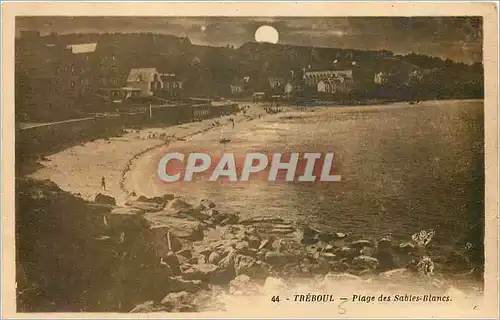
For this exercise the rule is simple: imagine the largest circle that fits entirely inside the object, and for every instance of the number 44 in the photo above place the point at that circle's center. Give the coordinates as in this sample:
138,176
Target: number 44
275,299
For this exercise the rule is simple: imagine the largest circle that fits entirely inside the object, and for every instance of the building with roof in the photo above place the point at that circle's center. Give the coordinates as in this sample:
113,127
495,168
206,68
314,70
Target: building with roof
312,78
148,80
82,48
172,85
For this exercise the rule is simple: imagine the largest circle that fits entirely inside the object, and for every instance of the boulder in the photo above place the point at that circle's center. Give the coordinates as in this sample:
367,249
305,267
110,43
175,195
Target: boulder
266,244
205,204
360,244
345,252
385,243
309,235
278,259
127,211
229,219
407,247
329,248
204,272
401,275
147,307
179,302
159,200
257,220
225,269
331,236
104,199
178,204
253,241
282,229
122,222
249,266
365,262
214,257
145,206
248,252
160,241
186,253
178,284
386,260
181,228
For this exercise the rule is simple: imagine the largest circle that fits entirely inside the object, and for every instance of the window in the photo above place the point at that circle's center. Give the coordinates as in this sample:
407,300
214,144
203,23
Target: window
72,84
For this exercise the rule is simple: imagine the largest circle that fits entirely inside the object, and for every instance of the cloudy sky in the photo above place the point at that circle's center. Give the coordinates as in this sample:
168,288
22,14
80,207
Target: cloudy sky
456,38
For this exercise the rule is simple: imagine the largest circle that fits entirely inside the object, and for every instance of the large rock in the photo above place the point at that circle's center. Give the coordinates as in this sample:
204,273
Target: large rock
104,199
250,266
204,272
121,222
145,206
178,204
407,247
365,262
160,200
360,244
127,211
181,228
205,204
257,220
279,259
214,258
178,284
147,307
400,275
160,241
331,236
386,260
309,235
179,302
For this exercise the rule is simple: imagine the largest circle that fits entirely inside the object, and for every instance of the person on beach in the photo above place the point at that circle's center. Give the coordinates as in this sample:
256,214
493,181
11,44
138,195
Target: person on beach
103,183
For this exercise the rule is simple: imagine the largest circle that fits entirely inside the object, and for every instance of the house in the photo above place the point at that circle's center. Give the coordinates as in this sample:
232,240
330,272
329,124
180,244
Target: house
335,85
172,84
258,96
276,82
146,79
323,86
311,78
238,86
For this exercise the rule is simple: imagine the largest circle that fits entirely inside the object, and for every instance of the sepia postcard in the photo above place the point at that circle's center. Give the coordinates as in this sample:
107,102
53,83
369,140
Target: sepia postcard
249,160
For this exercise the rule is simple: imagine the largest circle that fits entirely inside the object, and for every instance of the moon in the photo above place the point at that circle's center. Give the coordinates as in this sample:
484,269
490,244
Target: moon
267,34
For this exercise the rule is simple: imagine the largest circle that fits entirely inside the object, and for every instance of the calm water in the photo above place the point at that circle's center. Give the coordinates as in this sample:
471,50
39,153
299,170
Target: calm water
404,168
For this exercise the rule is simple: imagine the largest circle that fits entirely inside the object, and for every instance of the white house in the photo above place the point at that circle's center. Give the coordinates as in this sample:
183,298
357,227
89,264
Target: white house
146,79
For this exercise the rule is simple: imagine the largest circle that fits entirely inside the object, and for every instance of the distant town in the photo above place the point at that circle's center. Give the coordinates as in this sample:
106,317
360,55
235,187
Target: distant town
63,76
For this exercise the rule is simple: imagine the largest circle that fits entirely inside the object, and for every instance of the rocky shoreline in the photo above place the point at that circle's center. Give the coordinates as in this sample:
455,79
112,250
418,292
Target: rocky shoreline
164,254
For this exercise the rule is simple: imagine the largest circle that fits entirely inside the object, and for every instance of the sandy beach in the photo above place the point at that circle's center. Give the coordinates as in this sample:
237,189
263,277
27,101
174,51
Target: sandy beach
79,169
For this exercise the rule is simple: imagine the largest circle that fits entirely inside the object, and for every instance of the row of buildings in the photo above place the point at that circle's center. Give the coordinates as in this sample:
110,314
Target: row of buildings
334,81
53,72
60,74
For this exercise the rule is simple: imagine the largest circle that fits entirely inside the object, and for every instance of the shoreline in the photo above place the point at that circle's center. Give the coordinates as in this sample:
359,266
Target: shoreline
173,256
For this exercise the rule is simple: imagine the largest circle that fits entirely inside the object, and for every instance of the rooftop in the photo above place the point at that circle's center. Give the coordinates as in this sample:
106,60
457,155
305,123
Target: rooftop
82,47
